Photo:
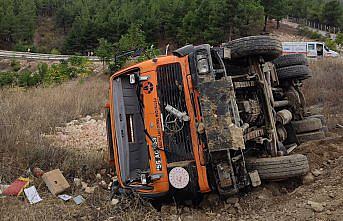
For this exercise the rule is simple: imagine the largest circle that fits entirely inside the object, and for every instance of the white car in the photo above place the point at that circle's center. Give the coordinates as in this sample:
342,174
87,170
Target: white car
309,49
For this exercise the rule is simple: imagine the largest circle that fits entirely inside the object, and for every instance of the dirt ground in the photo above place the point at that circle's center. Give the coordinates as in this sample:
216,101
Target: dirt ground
320,198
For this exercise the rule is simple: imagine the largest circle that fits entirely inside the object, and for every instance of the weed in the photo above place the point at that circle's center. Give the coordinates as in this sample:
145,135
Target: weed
325,89
15,65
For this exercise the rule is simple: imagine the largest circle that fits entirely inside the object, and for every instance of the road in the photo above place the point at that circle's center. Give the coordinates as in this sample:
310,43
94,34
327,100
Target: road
323,33
39,56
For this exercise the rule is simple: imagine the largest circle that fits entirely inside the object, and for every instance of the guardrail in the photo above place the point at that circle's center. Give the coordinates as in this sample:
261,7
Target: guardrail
38,56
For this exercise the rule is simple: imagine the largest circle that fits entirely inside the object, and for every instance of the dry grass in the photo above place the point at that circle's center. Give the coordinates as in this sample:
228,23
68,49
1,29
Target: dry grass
26,114
324,91
96,207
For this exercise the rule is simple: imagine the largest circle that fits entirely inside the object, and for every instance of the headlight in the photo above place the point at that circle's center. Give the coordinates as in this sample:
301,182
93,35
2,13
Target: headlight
203,66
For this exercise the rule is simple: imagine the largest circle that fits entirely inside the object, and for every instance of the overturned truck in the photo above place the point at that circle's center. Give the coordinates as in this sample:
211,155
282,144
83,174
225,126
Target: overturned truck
210,119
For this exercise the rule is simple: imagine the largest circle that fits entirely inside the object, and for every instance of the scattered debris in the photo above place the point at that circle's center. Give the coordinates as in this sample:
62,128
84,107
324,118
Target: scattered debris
37,172
65,197
17,187
317,207
98,176
339,126
114,202
79,199
32,195
84,185
89,190
55,181
77,182
103,184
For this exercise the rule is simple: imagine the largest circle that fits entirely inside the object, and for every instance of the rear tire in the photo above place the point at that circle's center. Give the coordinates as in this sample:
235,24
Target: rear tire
307,125
266,46
300,72
290,60
279,168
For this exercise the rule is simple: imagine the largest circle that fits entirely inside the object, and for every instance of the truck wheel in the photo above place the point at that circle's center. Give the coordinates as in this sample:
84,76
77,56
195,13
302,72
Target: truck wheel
290,60
278,168
307,125
300,72
266,46
310,136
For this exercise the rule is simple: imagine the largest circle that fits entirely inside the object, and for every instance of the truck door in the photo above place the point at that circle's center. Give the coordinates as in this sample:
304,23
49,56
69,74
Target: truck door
129,126
311,50
320,49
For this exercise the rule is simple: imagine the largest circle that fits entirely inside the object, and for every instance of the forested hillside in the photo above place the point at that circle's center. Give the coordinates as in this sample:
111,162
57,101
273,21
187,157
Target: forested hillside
75,26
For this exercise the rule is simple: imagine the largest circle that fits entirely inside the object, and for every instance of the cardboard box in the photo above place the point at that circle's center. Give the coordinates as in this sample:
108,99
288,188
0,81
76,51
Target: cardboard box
55,182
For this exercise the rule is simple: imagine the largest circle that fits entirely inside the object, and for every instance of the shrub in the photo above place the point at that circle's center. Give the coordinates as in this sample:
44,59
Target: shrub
315,35
7,78
29,79
23,47
55,51
15,65
331,44
55,74
304,31
339,38
78,60
43,69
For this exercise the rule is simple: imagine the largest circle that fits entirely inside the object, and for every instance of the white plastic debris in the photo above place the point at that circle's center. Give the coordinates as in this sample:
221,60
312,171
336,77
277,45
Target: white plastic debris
32,195
64,197
79,199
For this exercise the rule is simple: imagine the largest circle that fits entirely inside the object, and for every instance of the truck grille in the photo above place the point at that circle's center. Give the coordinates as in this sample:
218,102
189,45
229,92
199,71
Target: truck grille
177,141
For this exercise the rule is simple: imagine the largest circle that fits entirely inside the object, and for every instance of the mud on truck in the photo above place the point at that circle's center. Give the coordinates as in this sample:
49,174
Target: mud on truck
209,119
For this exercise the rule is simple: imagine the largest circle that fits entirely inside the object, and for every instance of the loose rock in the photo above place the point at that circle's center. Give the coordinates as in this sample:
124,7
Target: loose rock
89,190
316,172
169,209
317,207
77,182
114,202
308,179
84,185
232,200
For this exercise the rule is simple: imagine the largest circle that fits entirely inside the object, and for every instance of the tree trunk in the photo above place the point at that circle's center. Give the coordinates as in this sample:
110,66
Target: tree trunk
277,24
265,23
230,33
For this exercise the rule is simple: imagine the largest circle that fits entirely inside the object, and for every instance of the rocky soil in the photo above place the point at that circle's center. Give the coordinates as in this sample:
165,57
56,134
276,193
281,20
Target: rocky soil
84,134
